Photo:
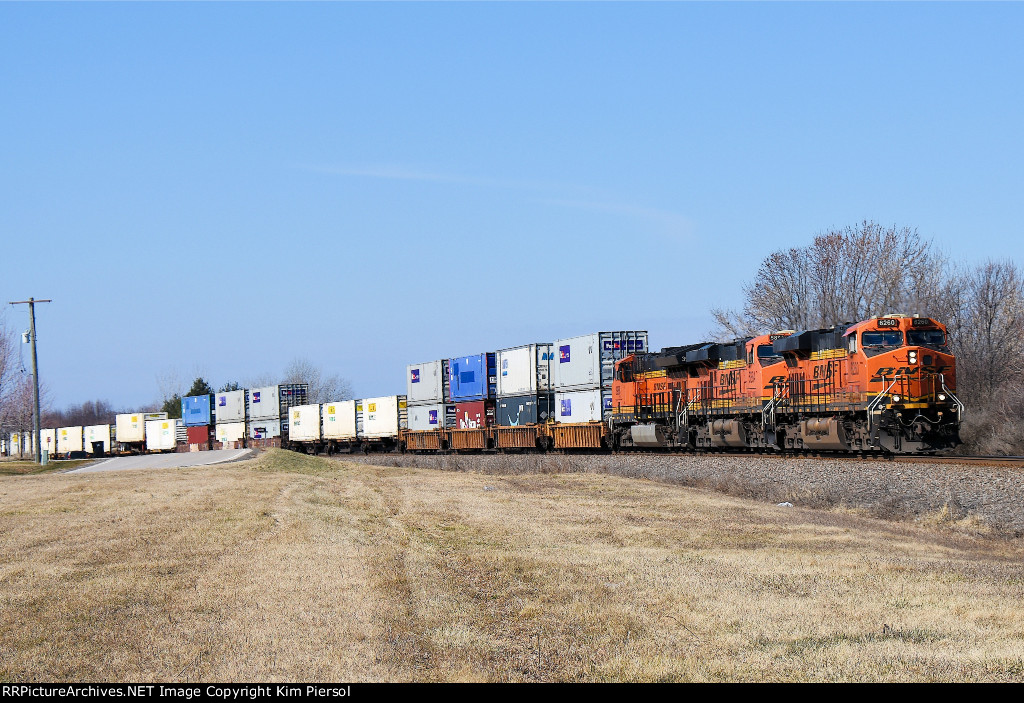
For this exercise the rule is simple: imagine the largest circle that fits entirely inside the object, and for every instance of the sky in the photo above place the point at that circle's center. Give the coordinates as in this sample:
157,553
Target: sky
218,189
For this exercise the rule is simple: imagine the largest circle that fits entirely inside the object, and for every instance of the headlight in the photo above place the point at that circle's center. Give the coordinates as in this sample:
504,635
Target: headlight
912,357
895,399
942,396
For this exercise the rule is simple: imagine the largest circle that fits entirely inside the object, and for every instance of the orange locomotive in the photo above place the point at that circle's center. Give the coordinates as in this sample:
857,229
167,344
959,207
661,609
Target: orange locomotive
884,384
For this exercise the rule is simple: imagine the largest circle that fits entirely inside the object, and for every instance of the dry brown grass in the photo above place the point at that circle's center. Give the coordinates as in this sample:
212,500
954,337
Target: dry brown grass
290,567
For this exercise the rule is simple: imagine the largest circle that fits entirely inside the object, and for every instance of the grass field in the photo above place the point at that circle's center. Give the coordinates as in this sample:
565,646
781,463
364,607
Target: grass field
289,567
13,467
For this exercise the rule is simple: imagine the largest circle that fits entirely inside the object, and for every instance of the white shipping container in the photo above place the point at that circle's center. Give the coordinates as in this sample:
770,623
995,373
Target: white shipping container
524,370
588,361
96,433
230,431
131,427
425,382
69,439
304,423
264,428
229,407
48,441
264,403
22,443
161,435
581,406
383,417
426,417
339,420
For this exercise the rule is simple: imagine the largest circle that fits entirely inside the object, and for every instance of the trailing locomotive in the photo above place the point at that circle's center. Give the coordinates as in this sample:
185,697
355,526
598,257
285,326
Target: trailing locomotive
885,384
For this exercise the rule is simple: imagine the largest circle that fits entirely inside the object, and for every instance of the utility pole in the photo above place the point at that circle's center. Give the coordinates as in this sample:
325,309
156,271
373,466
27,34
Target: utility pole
36,419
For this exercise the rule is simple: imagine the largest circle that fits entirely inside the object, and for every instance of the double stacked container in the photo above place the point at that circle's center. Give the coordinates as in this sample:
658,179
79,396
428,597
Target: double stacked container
426,391
198,416
524,385
229,411
268,412
583,370
472,385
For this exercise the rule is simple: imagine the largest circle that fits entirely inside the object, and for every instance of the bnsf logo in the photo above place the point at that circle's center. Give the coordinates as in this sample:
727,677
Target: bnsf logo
890,372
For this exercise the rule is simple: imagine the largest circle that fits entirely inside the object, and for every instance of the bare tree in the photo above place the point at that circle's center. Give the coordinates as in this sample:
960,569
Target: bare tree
842,276
987,318
323,388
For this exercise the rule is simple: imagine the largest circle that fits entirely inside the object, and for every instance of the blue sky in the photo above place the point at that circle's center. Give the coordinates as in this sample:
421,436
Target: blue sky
223,187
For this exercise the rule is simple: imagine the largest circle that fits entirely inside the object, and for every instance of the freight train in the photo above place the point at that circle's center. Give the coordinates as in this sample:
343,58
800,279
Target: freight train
883,385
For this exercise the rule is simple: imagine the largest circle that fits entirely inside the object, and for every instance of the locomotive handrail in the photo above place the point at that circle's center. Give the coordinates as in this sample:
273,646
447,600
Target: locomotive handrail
769,408
877,400
956,401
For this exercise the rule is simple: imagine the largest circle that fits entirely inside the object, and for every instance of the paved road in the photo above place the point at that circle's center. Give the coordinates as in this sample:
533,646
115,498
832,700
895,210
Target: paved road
166,461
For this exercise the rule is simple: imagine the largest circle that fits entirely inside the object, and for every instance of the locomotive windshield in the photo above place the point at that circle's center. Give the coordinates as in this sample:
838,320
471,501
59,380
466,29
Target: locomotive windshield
766,355
882,339
926,338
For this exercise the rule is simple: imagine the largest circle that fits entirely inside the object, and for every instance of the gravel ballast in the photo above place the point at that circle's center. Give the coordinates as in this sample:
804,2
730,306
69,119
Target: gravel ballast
887,489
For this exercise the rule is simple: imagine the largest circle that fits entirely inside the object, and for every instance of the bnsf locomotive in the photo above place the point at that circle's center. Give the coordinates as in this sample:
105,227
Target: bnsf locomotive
884,384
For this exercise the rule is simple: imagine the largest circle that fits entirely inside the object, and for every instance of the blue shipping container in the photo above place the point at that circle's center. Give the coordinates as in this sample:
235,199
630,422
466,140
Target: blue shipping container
472,378
195,410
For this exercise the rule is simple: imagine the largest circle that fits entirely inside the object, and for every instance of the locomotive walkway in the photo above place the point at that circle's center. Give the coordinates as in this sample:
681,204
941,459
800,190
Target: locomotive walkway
166,461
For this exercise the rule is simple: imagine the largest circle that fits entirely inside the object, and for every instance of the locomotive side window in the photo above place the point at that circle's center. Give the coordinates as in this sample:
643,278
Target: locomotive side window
882,339
853,343
926,338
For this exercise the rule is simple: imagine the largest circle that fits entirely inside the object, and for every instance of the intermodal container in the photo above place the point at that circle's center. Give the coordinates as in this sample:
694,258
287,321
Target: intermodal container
161,435
474,415
426,382
230,407
524,370
429,416
131,428
69,439
339,420
525,410
582,406
264,429
95,435
264,402
588,362
197,410
383,417
198,435
230,431
304,423
472,378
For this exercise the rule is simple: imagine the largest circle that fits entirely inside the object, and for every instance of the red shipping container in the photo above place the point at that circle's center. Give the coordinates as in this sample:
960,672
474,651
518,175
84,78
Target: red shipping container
198,435
474,415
